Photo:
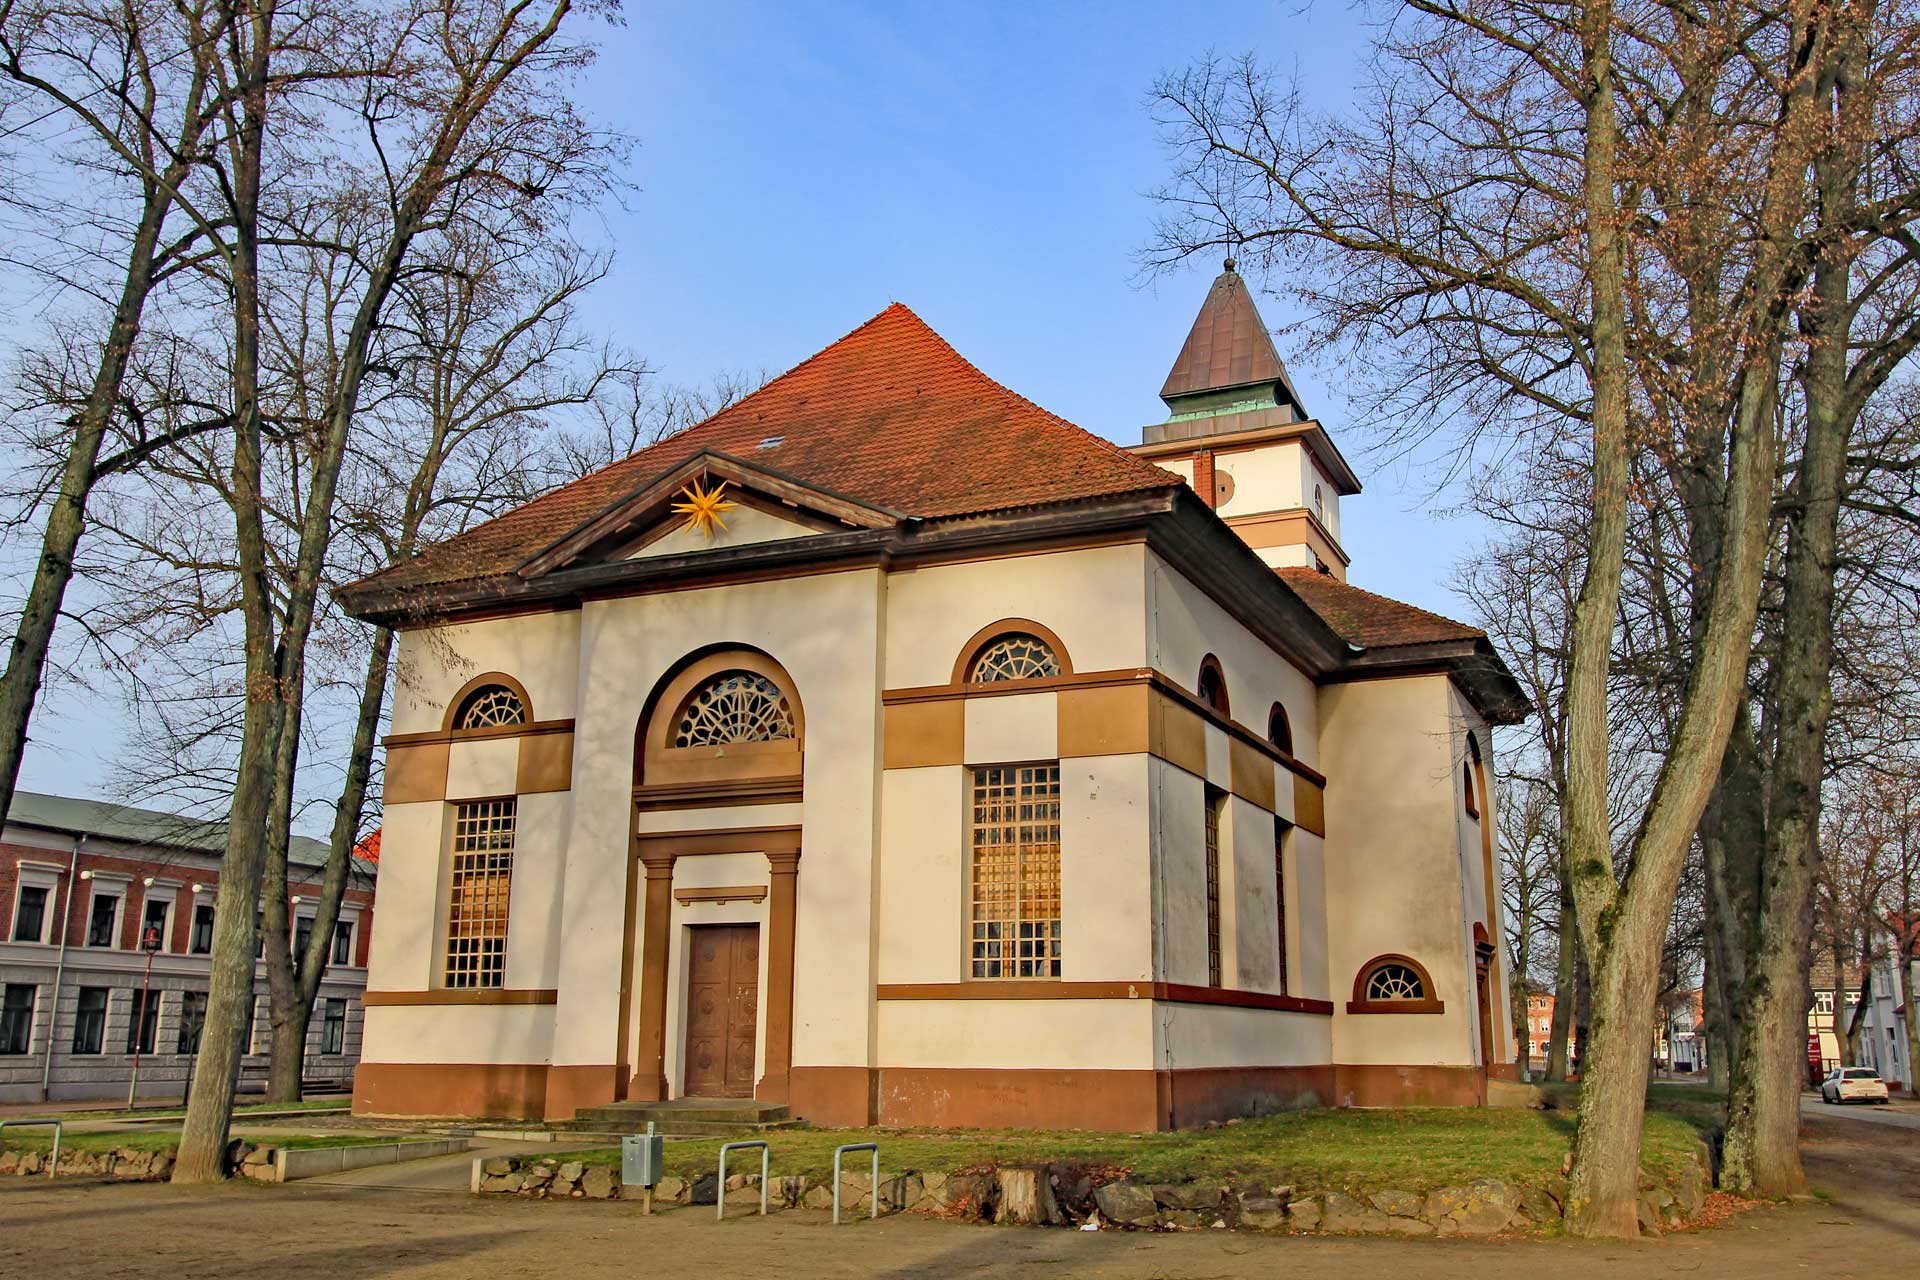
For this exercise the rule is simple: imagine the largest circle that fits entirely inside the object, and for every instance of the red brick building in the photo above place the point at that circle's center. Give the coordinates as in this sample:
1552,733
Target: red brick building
80,882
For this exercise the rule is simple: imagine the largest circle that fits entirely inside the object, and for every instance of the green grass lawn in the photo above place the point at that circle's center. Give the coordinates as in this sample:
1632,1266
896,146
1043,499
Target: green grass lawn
175,1113
1357,1151
96,1141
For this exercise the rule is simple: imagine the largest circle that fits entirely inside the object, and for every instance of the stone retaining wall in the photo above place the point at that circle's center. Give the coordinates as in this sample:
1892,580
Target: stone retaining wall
1071,1196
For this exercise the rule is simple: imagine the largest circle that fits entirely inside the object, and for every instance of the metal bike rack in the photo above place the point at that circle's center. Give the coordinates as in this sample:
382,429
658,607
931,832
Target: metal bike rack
54,1162
875,1187
720,1193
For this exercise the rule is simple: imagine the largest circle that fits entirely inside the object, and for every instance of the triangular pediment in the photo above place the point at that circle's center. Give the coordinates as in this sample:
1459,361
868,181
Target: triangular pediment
760,505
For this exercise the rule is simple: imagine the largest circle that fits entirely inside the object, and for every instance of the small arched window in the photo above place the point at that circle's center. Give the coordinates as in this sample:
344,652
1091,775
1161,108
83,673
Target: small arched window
1015,656
1393,984
491,706
1279,729
1319,504
734,706
1466,784
1212,686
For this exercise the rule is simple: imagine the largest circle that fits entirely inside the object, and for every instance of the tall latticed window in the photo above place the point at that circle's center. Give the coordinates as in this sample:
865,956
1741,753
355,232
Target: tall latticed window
1280,894
735,706
1016,656
1016,871
1216,800
477,910
492,706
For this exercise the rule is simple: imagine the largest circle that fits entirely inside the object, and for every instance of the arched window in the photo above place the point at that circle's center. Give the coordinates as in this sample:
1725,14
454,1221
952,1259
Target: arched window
731,707
491,706
1468,781
1319,505
1212,686
1393,984
1279,730
1015,656
1011,649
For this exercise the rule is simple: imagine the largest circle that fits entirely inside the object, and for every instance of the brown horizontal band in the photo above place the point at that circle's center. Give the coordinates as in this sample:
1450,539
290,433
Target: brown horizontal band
722,893
662,847
1048,989
1396,1006
1096,679
449,995
478,735
706,795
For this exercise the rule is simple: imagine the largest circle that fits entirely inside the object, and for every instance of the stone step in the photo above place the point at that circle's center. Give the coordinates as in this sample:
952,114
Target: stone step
676,1127
737,1111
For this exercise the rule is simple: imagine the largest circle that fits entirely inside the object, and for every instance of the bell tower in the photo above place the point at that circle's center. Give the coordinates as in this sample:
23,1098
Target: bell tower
1237,431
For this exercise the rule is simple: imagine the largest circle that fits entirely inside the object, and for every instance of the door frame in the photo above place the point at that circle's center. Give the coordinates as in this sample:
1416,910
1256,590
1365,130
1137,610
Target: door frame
650,933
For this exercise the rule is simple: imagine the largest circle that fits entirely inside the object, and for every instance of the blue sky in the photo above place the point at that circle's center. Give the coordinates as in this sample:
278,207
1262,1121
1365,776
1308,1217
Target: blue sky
800,166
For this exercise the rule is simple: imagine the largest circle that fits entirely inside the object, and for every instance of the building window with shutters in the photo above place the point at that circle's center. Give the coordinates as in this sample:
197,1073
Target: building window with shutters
90,1021
16,1017
1216,802
200,943
30,914
1015,883
193,1017
143,1020
482,875
333,1030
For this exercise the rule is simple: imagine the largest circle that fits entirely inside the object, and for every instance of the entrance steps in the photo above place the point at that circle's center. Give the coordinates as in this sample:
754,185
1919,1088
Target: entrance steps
684,1117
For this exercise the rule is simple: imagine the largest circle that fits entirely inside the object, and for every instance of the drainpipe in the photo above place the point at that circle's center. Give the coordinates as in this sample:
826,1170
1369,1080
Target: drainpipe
59,967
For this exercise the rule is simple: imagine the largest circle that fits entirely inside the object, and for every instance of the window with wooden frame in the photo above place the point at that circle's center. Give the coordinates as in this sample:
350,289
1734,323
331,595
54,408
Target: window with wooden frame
1216,804
491,706
482,875
1212,685
1017,656
1015,891
1394,984
1466,784
1280,829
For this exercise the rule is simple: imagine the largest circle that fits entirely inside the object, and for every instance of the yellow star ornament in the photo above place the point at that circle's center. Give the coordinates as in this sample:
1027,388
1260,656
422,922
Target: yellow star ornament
703,508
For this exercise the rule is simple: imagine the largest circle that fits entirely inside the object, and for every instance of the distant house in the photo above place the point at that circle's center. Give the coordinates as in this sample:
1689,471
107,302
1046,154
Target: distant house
1883,1039
1539,1028
82,884
1825,1033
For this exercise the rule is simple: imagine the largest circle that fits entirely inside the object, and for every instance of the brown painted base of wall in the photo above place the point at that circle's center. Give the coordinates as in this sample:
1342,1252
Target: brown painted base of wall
514,1092
1508,1071
1390,1086
935,1097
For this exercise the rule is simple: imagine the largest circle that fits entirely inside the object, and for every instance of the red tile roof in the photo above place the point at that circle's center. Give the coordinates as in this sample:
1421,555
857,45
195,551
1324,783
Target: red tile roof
890,415
1369,621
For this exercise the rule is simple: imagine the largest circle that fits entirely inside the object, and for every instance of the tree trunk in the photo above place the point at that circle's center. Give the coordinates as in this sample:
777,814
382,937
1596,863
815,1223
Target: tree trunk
1566,978
203,1136
1906,965
67,517
290,1033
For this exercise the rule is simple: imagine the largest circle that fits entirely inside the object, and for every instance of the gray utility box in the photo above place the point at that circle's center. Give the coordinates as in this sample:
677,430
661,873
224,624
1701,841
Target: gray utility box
641,1155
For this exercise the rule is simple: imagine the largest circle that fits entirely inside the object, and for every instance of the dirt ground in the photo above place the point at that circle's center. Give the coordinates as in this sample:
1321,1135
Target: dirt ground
1866,1222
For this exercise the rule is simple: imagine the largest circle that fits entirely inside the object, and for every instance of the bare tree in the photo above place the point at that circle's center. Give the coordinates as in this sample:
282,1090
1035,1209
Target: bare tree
1486,222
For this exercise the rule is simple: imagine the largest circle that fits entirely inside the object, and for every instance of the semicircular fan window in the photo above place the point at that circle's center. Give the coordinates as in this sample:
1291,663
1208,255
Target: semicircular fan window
492,707
1015,657
735,706
1395,982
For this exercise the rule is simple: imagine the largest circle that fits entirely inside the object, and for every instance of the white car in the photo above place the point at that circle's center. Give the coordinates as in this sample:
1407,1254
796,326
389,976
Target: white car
1853,1084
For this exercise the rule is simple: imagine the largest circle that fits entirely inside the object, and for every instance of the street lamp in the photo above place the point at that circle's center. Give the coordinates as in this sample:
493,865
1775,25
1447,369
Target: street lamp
149,943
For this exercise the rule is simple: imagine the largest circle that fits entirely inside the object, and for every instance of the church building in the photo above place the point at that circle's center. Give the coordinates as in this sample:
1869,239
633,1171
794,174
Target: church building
890,751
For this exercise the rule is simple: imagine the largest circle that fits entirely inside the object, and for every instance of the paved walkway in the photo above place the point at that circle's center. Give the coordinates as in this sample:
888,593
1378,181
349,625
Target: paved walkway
1900,1117
441,1173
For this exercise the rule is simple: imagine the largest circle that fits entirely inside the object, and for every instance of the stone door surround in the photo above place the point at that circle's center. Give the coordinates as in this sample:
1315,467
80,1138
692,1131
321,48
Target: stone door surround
656,852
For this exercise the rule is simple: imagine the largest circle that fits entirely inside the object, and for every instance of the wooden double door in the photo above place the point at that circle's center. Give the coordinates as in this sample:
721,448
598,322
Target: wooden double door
723,1008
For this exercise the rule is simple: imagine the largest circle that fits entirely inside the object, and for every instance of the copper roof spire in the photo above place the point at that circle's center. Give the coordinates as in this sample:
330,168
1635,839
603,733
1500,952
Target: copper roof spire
1228,347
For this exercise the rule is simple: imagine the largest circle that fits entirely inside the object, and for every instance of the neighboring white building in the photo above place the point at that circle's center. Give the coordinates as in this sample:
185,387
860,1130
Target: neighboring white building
891,750
1883,1039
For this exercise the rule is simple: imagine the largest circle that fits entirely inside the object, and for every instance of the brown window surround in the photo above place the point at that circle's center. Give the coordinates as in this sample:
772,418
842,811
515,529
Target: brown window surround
665,772
1361,1004
993,631
1466,777
1211,687
457,703
468,995
1216,802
